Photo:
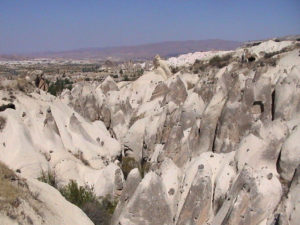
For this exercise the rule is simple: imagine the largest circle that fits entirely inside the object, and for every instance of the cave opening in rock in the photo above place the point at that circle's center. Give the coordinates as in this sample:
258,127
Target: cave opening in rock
215,136
261,105
251,59
273,105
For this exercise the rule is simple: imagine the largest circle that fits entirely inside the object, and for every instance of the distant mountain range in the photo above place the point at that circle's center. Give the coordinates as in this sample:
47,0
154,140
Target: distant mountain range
146,51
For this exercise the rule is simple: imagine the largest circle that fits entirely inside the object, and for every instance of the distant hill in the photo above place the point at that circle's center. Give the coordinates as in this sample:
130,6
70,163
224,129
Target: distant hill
146,51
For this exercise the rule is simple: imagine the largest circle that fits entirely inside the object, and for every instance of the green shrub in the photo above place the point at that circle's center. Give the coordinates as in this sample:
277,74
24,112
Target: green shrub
99,211
140,72
96,213
48,177
108,204
78,195
220,62
90,69
126,78
59,85
198,66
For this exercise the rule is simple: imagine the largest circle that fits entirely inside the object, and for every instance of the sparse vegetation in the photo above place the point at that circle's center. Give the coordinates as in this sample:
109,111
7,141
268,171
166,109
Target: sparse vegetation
175,69
59,85
2,123
98,210
8,192
49,177
90,68
109,204
126,78
79,155
144,168
220,62
78,195
128,163
271,54
198,66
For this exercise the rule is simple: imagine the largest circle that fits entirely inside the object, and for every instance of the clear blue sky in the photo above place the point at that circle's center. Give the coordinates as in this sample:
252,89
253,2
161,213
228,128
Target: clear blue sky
41,25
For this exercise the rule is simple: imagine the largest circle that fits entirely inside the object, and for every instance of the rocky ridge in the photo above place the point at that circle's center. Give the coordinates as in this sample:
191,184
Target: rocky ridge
214,143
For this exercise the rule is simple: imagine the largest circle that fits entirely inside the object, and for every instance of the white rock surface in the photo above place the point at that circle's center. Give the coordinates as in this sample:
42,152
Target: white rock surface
217,147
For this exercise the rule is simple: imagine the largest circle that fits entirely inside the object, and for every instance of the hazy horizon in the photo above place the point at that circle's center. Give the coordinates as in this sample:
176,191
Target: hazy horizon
116,46
48,26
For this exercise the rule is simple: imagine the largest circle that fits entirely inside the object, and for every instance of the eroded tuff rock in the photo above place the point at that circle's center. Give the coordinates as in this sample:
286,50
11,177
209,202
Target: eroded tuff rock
28,201
217,147
148,204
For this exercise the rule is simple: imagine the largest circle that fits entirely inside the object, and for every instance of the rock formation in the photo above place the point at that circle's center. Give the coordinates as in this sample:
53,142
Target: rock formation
210,148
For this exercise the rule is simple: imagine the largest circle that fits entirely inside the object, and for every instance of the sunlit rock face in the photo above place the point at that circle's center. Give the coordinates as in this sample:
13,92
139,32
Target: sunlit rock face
217,146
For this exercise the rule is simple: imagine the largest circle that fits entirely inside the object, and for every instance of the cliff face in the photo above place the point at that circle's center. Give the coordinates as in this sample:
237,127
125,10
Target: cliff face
215,143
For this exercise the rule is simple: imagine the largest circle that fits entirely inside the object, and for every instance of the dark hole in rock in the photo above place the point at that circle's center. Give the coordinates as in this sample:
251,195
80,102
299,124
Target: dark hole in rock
171,191
8,106
273,105
269,176
2,123
262,108
277,219
201,166
251,59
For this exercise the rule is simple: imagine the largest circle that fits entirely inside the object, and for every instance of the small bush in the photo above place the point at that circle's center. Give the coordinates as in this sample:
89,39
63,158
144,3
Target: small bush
126,78
128,163
174,70
78,195
108,204
59,85
9,192
271,54
49,177
90,69
220,62
96,213
198,66
99,211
